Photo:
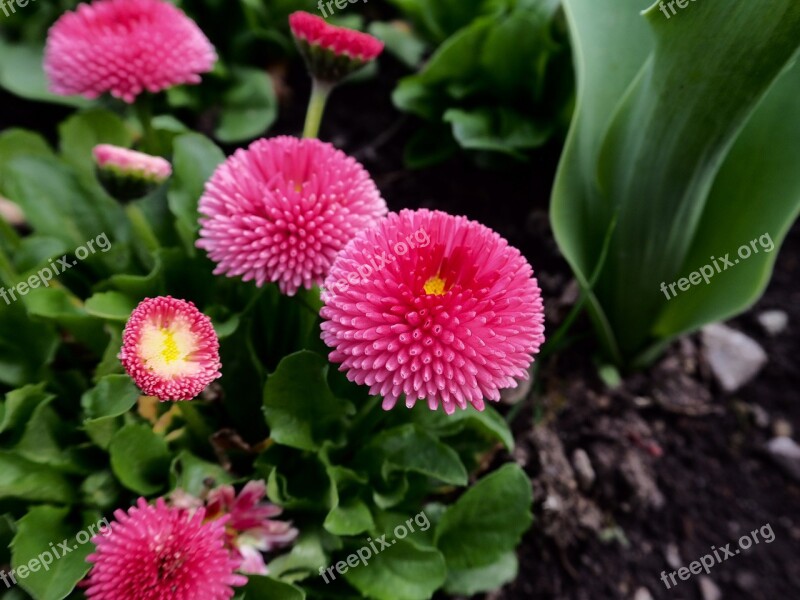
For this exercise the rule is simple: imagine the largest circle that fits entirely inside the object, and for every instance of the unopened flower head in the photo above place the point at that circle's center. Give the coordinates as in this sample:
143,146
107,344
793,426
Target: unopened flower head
282,210
162,553
170,349
331,53
453,318
127,174
125,47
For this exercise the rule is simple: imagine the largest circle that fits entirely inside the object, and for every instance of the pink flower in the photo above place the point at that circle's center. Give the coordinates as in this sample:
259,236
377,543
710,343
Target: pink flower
125,47
170,349
282,209
332,52
251,529
125,162
434,307
162,553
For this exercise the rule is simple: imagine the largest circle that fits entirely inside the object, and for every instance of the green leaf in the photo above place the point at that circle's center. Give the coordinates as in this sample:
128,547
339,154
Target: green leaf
260,587
140,459
16,142
58,204
20,405
758,166
113,395
21,73
647,145
190,474
501,130
401,572
84,130
488,521
350,515
23,479
305,558
194,160
26,346
487,422
112,306
410,449
401,42
249,107
298,404
36,531
468,582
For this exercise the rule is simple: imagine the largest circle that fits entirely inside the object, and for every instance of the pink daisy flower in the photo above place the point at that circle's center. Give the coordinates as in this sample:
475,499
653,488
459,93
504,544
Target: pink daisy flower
281,210
332,52
170,349
125,47
162,553
251,529
434,307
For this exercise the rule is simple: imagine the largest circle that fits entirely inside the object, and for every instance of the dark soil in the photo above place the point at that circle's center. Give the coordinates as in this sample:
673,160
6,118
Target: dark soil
665,478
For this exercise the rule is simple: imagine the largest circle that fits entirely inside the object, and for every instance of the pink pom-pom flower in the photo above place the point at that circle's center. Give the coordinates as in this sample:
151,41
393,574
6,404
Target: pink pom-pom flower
434,307
170,349
252,528
125,47
331,53
281,211
162,553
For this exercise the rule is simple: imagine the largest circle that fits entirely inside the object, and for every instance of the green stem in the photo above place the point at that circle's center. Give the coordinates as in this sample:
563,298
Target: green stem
141,227
144,113
316,108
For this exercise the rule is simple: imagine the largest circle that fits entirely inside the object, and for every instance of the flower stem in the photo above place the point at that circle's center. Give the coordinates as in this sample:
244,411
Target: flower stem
316,108
144,113
141,227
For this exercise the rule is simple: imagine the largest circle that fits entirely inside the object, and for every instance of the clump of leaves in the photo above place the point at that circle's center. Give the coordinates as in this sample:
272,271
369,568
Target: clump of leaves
500,83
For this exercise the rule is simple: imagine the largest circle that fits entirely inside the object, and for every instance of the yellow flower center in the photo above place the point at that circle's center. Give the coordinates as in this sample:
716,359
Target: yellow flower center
170,351
435,286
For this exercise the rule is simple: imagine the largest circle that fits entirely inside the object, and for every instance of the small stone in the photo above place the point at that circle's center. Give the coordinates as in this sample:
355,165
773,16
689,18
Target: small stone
733,357
782,428
786,453
642,594
673,556
514,395
760,416
774,322
746,580
709,589
583,469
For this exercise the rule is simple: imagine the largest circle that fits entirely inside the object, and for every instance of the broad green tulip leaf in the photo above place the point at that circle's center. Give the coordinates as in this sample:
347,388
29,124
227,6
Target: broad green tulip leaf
655,122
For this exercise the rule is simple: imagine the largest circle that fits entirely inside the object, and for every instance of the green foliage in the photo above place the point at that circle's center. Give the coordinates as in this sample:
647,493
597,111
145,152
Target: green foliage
42,527
499,83
78,440
683,134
